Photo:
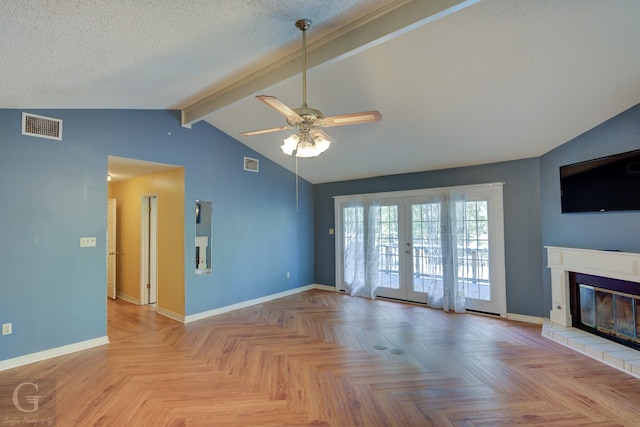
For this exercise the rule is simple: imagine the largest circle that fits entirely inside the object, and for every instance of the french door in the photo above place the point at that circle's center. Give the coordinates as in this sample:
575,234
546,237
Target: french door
411,254
396,253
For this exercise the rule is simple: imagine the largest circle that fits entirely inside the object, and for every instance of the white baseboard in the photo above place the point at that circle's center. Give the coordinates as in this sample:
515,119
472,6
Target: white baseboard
249,303
127,298
325,287
53,352
170,314
524,318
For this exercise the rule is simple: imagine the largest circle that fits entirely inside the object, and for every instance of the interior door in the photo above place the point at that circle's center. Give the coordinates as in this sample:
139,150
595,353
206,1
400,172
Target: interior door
111,249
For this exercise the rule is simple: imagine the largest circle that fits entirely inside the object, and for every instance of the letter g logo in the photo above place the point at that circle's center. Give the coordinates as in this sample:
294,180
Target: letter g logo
31,399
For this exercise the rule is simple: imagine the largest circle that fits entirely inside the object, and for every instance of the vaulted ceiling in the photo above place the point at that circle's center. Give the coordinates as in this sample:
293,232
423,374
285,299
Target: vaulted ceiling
458,82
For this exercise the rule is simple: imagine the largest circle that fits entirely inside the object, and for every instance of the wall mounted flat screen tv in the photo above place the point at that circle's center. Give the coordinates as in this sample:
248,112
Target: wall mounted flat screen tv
609,183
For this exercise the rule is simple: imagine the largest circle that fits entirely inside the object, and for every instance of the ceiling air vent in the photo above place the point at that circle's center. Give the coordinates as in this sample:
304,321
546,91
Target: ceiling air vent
41,127
252,165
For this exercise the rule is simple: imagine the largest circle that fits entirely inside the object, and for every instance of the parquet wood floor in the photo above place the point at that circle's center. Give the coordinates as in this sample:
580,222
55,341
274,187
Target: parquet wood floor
309,359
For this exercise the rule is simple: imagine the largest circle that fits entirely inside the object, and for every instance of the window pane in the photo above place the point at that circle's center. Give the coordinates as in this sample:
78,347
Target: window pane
427,258
473,250
387,245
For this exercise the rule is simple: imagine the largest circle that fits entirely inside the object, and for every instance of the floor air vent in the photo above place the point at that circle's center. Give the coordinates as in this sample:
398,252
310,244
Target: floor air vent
41,127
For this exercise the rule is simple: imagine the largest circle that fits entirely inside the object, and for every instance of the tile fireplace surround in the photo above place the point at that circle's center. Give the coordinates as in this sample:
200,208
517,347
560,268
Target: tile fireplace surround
616,265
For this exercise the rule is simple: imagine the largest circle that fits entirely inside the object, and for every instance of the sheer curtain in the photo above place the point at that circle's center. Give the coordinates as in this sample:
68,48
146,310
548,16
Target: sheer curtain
445,240
361,256
442,235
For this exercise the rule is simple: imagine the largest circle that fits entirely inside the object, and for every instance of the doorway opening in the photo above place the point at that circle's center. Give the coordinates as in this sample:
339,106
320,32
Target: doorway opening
150,224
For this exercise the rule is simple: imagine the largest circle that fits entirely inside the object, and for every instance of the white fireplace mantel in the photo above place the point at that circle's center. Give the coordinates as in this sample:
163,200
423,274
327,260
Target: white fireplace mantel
561,261
616,265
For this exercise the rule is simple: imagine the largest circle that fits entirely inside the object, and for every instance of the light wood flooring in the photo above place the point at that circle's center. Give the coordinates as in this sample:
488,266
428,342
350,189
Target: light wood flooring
309,360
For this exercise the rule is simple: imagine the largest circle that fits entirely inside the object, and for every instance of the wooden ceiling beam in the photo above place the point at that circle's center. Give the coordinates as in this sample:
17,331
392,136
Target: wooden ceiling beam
367,32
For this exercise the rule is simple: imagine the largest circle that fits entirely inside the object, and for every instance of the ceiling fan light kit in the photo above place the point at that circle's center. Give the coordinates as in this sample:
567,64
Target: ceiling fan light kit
310,145
309,140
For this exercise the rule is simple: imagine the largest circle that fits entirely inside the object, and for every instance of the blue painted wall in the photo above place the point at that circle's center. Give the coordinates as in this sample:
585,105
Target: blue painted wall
522,221
611,230
54,192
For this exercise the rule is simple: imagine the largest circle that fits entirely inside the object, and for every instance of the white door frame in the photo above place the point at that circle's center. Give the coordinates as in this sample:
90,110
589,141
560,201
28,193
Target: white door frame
111,249
149,245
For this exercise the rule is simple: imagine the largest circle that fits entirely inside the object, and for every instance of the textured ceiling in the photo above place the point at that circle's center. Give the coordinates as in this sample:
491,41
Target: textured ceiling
146,54
495,80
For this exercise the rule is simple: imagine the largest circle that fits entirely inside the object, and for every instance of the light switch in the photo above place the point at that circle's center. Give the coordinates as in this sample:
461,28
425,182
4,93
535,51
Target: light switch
331,231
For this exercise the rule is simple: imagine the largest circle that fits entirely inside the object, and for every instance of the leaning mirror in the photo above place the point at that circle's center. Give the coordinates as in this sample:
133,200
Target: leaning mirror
204,213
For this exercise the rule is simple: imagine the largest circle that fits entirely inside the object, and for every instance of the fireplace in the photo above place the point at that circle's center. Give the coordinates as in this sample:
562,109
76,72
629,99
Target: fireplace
595,296
606,307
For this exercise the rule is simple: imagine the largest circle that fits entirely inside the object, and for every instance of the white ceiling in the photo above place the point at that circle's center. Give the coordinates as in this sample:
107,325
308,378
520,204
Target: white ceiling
488,81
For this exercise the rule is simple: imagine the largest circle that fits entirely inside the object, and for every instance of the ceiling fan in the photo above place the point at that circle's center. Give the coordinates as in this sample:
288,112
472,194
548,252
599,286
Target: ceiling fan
310,140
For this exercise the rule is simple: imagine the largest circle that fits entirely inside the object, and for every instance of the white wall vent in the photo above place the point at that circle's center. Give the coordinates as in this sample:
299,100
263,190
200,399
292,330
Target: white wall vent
41,127
252,165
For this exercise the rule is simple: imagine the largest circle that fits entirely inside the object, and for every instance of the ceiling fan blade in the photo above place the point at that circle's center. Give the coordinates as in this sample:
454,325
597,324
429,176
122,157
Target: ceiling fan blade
261,131
353,118
317,132
281,108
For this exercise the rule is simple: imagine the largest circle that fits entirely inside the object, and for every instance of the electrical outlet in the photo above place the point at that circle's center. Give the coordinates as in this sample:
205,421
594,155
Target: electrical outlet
87,242
288,275
6,329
